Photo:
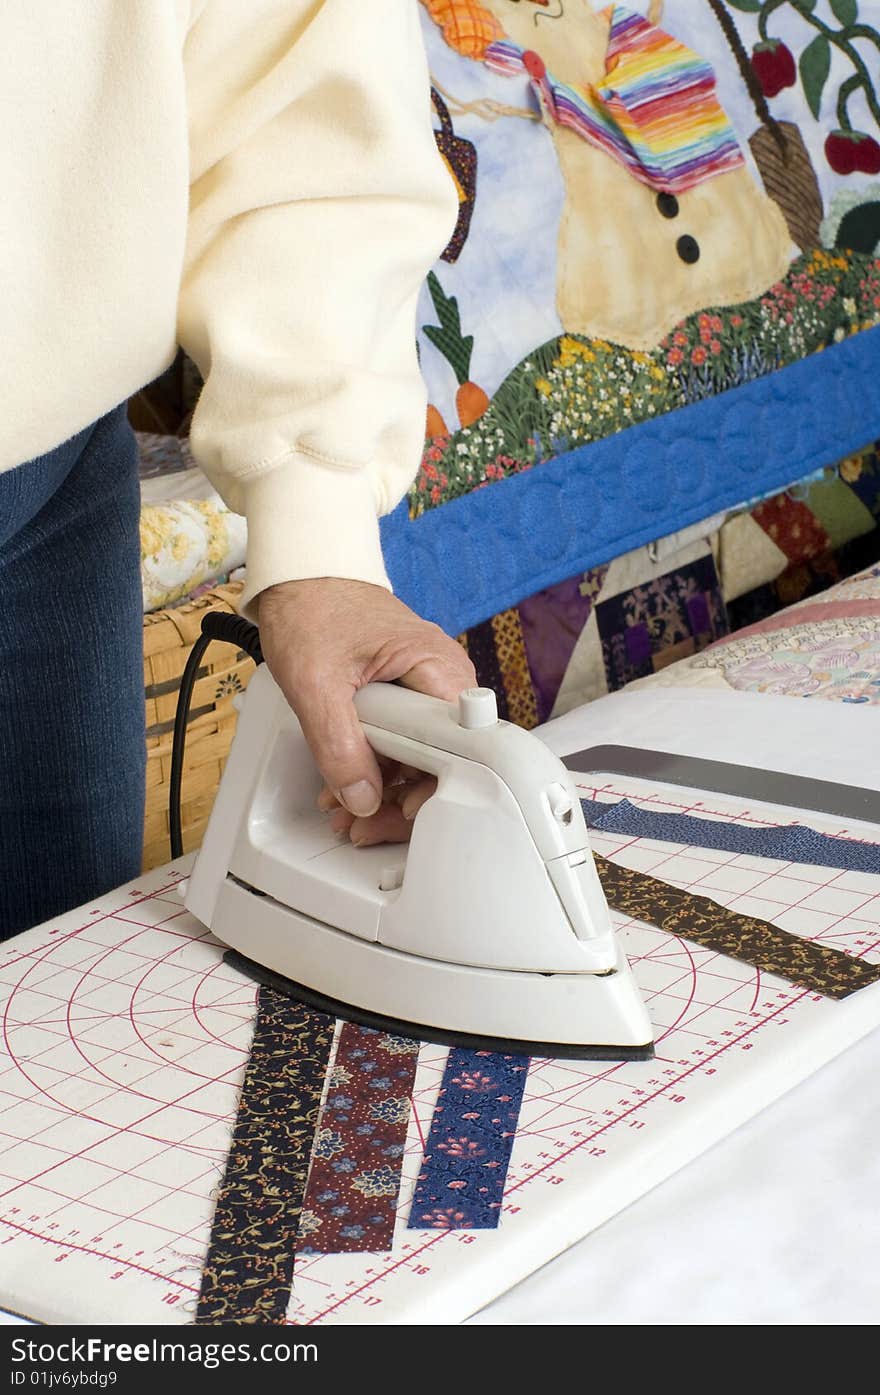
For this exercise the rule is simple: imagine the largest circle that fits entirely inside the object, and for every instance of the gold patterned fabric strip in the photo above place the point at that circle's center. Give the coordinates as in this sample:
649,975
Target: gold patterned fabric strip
249,1266
803,962
510,649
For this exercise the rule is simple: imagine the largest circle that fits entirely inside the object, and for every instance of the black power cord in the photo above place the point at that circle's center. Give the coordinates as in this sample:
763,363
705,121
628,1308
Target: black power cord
232,629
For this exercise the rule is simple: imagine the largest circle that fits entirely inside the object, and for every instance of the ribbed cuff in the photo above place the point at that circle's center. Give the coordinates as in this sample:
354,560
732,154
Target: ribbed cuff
306,519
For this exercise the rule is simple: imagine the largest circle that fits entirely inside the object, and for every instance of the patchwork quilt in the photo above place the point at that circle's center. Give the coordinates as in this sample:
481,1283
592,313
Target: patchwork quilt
595,631
633,616
826,646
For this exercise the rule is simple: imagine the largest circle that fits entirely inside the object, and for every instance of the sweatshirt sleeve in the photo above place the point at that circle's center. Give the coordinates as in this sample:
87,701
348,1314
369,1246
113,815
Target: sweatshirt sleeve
318,203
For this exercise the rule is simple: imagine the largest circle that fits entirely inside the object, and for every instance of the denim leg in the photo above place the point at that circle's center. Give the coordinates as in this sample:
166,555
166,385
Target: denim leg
72,747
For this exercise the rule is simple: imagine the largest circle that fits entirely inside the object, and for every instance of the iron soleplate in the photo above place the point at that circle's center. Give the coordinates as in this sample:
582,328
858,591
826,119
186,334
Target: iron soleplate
419,1032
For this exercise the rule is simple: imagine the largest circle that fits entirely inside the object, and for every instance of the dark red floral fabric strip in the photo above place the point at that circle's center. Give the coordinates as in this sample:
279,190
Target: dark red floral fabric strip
249,1266
354,1183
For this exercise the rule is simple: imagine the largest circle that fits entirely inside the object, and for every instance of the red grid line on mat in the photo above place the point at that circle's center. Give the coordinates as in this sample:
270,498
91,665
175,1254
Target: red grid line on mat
699,982
554,1162
700,806
99,1254
63,990
710,962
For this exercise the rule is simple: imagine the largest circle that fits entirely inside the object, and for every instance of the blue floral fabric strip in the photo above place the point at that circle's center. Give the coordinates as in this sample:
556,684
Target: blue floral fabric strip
354,1182
461,1182
793,843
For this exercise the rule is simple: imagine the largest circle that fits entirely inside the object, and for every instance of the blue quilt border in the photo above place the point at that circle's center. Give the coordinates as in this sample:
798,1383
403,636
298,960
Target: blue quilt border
465,560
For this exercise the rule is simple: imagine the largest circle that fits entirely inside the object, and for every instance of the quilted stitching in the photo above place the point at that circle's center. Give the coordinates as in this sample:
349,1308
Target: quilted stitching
475,556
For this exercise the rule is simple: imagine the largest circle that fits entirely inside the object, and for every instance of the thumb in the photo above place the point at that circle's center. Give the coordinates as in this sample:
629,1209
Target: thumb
441,676
337,742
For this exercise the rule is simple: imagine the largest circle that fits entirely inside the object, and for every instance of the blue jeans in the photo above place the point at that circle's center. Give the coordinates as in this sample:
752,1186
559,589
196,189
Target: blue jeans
72,748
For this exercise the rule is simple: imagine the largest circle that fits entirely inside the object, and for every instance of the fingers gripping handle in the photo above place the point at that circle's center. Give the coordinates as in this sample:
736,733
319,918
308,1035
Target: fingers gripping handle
432,735
466,742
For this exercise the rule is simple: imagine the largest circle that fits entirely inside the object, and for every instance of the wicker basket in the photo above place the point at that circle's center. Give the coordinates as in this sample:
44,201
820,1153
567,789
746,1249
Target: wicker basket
168,638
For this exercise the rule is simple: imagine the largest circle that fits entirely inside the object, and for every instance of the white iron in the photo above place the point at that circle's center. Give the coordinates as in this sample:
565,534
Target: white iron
489,929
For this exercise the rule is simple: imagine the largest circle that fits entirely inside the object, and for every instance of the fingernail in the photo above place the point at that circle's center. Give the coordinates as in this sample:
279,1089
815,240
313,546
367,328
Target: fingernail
360,799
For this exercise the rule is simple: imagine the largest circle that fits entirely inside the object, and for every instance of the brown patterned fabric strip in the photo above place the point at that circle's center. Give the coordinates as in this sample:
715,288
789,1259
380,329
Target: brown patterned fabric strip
510,649
249,1265
803,962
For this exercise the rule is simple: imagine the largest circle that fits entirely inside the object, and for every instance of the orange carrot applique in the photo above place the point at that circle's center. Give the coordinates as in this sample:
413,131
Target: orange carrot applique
435,425
470,400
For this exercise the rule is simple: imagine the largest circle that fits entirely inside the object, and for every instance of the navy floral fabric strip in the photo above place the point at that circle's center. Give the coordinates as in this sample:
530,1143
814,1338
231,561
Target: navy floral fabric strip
793,843
461,1182
351,1198
249,1266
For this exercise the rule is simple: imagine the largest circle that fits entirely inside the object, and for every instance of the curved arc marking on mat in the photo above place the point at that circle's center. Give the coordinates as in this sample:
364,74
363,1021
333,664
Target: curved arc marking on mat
669,1084
41,1090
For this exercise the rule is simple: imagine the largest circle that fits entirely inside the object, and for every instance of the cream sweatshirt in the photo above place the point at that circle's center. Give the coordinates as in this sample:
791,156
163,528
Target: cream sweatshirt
258,181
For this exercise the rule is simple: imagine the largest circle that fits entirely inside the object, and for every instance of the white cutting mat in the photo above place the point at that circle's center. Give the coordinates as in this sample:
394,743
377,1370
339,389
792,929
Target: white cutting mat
126,1036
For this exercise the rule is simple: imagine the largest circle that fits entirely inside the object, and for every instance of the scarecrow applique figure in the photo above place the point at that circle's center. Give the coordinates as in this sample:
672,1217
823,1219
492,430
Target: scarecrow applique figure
662,215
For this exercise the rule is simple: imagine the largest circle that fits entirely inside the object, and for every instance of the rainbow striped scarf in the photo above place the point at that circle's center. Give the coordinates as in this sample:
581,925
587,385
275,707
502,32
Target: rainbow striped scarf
656,112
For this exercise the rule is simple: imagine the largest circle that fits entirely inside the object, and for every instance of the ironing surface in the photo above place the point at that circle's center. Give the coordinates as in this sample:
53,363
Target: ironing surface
128,1037
834,742
491,929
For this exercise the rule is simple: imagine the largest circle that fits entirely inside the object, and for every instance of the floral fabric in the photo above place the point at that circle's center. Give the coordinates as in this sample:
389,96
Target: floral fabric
189,538
834,659
249,1265
787,843
666,618
571,391
815,967
185,544
351,1199
461,1182
826,646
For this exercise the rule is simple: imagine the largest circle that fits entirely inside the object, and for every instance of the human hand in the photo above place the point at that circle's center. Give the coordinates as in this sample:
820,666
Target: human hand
323,639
